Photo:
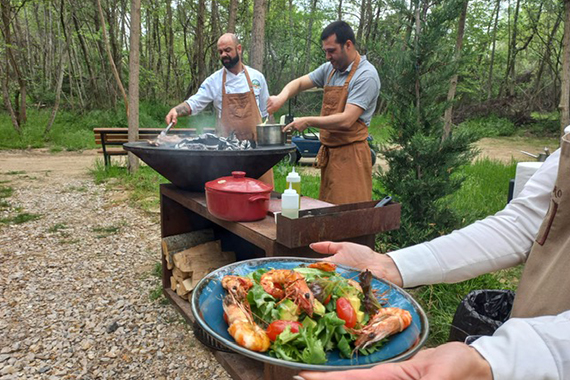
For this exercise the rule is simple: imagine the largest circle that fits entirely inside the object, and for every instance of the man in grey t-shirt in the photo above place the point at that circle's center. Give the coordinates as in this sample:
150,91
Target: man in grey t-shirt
351,87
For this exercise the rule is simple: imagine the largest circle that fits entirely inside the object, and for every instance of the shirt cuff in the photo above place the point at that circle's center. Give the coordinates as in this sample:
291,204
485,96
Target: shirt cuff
192,109
417,265
516,351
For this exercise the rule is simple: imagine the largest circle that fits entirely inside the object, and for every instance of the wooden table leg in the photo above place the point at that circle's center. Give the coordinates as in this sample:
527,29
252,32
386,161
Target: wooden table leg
273,372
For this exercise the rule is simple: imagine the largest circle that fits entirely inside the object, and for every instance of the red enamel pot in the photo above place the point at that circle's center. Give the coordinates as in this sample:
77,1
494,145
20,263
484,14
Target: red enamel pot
238,198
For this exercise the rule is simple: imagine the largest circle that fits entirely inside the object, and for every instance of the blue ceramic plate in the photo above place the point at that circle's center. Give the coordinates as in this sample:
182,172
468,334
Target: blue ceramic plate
207,309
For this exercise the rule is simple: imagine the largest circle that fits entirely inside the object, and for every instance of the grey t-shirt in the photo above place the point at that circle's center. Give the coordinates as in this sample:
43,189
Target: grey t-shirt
363,88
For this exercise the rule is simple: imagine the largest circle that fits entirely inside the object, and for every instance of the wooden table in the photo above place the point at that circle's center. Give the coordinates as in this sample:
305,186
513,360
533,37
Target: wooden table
183,211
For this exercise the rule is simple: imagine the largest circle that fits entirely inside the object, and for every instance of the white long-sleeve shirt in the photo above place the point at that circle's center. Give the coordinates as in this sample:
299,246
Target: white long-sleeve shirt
521,349
211,90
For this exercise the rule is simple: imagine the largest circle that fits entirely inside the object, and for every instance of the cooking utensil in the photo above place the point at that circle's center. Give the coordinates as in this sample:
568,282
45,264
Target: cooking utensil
271,134
165,131
238,198
384,201
541,157
207,309
190,169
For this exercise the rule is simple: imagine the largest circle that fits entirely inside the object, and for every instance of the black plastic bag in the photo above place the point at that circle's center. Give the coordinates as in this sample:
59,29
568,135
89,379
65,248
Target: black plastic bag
481,312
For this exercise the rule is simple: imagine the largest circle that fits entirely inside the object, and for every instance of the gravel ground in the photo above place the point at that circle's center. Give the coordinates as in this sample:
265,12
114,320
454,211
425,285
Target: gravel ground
75,284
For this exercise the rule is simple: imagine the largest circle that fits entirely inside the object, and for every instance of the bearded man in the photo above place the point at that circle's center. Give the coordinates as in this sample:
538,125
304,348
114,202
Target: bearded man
239,94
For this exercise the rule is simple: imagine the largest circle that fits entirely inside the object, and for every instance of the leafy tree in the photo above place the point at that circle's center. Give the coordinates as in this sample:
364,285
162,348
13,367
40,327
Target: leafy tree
422,165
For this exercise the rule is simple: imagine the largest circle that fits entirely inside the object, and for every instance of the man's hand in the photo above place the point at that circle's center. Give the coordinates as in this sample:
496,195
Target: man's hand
274,103
172,117
361,257
451,361
299,124
183,109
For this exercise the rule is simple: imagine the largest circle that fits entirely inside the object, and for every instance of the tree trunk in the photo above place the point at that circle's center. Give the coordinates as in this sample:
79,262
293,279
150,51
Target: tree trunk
169,46
215,33
340,9
417,47
309,41
199,30
257,35
511,54
57,97
546,58
113,67
232,16
292,49
134,69
453,83
361,22
83,45
6,98
564,105
115,52
492,63
6,17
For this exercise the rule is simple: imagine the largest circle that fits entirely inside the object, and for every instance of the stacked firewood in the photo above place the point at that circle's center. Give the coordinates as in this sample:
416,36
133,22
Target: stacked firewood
191,256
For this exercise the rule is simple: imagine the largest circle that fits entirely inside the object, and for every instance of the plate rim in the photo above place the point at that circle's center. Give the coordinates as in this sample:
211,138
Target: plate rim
424,322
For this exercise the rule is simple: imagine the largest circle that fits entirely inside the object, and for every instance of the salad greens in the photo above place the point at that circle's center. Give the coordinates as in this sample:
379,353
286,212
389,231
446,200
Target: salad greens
324,330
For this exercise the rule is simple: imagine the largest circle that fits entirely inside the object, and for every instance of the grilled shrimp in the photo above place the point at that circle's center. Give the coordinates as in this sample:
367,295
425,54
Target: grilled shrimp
284,283
323,265
387,321
242,327
237,285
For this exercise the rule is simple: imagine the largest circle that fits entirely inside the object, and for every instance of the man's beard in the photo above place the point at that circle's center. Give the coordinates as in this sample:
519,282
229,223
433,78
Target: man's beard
231,63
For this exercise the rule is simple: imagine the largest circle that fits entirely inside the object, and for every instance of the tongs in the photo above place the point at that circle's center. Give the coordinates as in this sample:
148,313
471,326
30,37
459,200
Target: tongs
165,131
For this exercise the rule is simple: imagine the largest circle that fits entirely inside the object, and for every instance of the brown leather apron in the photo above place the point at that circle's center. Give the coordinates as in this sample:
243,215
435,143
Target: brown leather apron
344,156
544,288
240,114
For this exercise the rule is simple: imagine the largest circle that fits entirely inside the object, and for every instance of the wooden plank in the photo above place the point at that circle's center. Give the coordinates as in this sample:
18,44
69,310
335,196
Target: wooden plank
337,223
273,372
240,367
261,233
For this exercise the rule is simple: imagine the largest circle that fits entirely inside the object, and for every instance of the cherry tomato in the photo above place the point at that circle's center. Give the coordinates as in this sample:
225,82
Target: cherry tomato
346,312
276,327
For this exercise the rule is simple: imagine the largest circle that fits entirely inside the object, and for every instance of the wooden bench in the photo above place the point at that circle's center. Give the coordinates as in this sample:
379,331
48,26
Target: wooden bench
111,138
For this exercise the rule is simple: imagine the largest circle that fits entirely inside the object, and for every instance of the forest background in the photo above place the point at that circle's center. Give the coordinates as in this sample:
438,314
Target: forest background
452,72
63,53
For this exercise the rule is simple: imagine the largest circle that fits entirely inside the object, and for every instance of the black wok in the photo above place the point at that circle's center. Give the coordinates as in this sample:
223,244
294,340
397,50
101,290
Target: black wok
191,169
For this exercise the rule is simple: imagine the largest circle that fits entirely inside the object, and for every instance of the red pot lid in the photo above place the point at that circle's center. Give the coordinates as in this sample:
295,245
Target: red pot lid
238,183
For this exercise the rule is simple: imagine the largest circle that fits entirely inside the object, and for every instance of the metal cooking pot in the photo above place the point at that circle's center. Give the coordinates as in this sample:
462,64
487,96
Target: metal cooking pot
271,134
237,198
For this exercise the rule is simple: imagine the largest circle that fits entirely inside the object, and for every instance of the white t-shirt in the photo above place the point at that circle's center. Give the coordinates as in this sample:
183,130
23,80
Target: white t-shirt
522,348
211,90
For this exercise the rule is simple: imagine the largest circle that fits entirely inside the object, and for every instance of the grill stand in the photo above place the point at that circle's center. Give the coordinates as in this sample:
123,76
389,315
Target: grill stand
183,211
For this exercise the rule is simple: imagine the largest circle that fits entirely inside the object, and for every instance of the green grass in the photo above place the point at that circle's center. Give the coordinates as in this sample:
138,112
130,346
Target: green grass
57,227
484,191
6,192
103,232
20,218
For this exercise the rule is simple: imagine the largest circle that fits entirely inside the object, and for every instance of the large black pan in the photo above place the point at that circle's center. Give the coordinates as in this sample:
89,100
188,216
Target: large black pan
191,169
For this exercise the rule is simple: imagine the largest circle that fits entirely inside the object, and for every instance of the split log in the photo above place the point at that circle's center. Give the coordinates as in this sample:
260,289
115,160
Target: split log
177,243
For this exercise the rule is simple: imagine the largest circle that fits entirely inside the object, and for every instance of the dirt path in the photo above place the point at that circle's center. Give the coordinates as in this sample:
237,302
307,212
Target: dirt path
75,283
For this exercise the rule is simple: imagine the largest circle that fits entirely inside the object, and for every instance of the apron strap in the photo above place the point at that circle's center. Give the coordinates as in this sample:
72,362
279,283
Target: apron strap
355,64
